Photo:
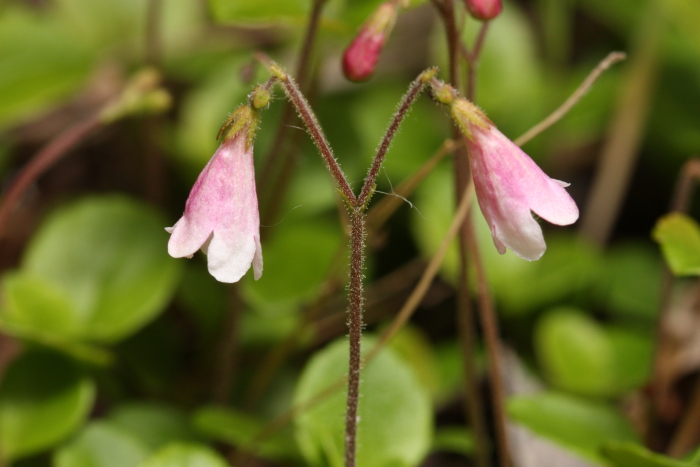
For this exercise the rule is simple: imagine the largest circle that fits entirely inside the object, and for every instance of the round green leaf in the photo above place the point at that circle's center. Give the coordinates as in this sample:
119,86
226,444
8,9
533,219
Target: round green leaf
395,427
679,236
107,256
185,455
239,429
43,398
578,424
575,352
297,260
101,444
154,425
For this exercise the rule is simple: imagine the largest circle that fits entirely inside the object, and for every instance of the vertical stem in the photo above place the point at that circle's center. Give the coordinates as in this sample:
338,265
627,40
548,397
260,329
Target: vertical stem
621,150
465,313
357,240
473,61
489,325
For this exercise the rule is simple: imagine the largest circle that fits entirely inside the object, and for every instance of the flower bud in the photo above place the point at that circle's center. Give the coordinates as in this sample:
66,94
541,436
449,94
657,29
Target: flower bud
360,58
484,10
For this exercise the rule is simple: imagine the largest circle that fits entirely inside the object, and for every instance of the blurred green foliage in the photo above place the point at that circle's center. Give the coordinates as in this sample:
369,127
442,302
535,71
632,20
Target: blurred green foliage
120,345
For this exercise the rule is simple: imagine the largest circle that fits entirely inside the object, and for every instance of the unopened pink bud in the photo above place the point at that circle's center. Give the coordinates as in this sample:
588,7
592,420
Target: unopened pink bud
360,58
484,10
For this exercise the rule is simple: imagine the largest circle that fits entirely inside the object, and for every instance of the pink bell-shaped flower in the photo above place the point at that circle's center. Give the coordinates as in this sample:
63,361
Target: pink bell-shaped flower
221,213
484,10
509,185
361,56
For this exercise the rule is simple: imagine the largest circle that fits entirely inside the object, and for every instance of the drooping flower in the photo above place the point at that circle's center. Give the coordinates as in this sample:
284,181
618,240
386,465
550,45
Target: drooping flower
509,185
484,10
221,213
361,56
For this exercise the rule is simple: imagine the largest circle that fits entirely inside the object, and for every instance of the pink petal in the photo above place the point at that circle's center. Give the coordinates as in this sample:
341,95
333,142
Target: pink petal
221,214
508,186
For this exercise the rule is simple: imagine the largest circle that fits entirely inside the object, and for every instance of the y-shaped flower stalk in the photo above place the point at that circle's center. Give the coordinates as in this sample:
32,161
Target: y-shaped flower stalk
357,205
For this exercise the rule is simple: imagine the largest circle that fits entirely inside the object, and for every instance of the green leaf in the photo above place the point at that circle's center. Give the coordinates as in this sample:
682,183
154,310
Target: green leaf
185,455
259,11
395,414
575,352
411,344
43,398
36,71
679,237
154,425
580,355
239,429
107,257
634,353
102,444
578,424
454,439
635,455
297,261
627,283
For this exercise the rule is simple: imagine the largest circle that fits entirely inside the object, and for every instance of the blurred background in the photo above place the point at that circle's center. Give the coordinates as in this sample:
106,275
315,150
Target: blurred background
114,354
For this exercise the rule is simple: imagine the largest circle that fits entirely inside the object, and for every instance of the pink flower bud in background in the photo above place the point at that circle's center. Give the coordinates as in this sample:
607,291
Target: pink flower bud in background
509,185
361,56
484,10
221,213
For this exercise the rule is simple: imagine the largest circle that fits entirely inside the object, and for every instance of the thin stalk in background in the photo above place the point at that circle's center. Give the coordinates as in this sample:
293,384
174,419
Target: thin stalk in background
619,154
465,313
487,312
54,151
278,164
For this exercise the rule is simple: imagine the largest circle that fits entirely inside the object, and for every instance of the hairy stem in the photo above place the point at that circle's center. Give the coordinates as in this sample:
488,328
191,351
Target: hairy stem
278,164
357,242
311,122
414,90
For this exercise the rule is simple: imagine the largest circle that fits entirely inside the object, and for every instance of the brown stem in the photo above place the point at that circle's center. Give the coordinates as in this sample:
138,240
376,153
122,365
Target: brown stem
401,318
489,325
661,378
273,170
473,401
357,243
316,133
554,117
413,92
44,159
381,211
619,154
473,60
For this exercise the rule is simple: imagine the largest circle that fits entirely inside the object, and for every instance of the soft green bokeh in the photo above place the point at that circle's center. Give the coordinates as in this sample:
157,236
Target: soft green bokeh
389,434
44,397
